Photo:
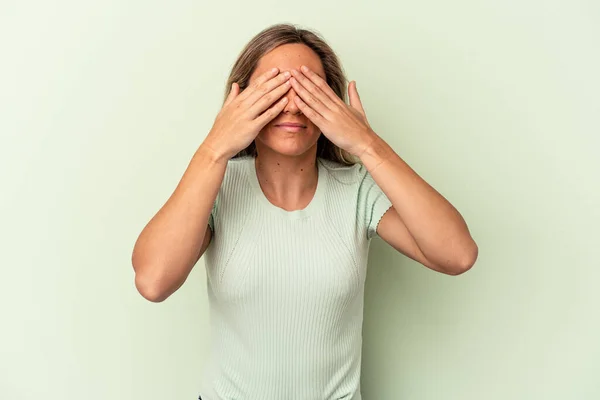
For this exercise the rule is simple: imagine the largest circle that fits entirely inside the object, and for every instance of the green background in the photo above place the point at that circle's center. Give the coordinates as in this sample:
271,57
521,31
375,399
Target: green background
495,104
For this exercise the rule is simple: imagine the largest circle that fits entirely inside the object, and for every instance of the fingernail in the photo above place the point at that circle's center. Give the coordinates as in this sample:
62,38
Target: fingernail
304,68
286,74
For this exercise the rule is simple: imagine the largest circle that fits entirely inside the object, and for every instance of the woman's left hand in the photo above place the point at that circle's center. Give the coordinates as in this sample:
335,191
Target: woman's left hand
346,126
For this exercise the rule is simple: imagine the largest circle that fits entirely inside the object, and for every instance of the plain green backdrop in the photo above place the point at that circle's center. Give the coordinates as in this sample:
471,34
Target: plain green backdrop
496,104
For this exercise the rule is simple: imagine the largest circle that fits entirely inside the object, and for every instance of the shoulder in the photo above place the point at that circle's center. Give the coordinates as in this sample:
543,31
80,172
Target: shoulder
345,174
235,179
236,167
239,162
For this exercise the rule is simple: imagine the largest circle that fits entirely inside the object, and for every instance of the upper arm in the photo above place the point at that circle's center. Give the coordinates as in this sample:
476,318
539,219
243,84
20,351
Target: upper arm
392,230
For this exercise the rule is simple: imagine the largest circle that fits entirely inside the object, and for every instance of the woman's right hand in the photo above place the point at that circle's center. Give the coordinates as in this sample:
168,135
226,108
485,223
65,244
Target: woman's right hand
244,115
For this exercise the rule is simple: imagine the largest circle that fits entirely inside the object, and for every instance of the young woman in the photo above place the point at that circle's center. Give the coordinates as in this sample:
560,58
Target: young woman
284,195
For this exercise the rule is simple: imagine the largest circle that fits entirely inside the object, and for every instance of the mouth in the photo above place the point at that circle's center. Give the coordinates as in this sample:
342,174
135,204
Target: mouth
291,126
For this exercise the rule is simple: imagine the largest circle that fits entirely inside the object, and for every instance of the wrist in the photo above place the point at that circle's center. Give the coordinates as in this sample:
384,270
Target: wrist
367,142
375,151
212,153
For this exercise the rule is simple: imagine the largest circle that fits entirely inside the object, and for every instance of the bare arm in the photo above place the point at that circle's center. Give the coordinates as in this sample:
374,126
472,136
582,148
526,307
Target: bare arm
426,222
176,237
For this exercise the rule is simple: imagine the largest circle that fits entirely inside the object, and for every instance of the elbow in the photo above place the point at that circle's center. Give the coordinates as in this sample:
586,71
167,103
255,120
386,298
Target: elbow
465,262
149,281
150,289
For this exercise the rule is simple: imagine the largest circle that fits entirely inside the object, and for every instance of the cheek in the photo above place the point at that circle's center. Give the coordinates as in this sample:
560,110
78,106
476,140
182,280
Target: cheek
313,128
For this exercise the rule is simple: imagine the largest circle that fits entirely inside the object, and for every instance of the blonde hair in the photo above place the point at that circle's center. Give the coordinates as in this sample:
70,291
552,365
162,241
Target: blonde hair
275,36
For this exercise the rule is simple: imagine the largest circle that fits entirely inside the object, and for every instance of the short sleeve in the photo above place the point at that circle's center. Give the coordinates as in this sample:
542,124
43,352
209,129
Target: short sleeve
213,215
372,202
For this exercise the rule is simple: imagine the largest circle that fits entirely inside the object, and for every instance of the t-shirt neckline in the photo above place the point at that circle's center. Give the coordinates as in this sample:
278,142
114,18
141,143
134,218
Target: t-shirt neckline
307,211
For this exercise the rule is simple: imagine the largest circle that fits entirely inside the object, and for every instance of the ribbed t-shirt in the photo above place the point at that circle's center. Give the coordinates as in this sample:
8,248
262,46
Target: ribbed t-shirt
286,288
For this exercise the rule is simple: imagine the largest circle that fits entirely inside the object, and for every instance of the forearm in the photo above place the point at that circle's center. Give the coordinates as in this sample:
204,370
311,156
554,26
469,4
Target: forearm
169,245
437,227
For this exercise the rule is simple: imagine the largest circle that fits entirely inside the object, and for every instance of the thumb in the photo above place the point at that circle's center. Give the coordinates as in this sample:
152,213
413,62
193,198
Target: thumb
235,90
355,98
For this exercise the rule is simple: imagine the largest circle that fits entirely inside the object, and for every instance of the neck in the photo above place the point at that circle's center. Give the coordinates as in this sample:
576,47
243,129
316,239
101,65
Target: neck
289,181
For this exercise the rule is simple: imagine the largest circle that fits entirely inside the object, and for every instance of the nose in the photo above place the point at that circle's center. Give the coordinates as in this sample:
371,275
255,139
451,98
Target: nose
291,106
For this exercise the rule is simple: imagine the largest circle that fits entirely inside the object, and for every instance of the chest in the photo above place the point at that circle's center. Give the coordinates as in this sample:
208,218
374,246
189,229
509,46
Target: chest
286,261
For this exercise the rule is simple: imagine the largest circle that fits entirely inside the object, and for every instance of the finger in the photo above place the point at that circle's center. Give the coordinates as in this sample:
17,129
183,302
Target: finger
260,80
320,83
269,98
310,113
270,74
271,113
312,89
233,92
255,94
266,76
355,98
309,98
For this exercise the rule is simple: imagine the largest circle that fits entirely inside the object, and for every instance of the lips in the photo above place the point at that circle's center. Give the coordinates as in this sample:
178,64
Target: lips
291,125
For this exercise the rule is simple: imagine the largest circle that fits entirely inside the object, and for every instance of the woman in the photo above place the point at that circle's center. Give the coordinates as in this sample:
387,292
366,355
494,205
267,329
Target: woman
285,213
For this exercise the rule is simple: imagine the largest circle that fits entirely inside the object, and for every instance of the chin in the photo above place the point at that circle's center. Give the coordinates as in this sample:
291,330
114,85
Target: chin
287,149
285,144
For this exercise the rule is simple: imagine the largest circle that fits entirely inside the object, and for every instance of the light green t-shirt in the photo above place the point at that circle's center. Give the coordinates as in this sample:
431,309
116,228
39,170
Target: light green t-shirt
286,288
